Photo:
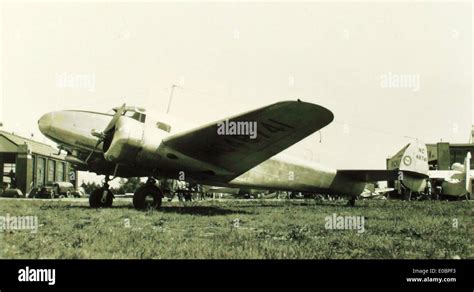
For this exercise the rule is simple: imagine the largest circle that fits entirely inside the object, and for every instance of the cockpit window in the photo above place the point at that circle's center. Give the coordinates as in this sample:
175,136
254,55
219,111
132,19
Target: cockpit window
135,113
163,126
136,116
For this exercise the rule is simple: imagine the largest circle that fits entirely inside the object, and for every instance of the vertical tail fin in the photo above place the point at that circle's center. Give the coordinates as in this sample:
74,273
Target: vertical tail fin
415,159
412,163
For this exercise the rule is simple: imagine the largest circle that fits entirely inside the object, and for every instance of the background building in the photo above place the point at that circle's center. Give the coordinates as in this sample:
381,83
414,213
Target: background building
442,155
26,163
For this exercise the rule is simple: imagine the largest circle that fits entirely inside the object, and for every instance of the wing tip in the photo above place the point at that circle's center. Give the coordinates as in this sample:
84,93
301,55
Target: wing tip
322,112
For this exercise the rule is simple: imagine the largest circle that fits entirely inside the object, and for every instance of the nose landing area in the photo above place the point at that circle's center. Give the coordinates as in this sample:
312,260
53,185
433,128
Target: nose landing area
45,122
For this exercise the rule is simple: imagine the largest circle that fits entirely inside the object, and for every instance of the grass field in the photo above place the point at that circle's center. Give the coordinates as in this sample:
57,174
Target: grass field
267,229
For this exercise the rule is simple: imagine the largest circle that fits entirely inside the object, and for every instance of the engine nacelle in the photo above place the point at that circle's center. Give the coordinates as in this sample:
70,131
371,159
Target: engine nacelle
125,142
348,187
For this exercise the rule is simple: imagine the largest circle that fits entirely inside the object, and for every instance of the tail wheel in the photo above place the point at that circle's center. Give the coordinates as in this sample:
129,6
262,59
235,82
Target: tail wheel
351,202
95,199
147,197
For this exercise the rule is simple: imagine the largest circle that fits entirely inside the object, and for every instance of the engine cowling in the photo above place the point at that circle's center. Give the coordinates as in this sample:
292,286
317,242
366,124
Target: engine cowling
124,142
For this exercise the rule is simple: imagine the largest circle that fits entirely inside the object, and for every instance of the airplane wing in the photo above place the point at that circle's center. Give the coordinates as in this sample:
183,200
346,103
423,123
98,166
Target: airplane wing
278,126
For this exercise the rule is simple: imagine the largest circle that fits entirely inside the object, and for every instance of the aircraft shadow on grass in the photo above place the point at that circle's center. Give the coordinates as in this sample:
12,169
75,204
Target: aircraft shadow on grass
191,210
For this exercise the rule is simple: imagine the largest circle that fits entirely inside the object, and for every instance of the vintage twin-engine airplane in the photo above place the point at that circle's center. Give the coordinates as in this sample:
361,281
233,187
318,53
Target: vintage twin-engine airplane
133,144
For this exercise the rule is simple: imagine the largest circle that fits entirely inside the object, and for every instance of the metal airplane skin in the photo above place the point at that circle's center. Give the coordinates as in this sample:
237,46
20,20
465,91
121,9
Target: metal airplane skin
133,144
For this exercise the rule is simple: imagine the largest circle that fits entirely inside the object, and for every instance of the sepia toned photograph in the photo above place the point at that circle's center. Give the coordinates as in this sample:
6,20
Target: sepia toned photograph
281,130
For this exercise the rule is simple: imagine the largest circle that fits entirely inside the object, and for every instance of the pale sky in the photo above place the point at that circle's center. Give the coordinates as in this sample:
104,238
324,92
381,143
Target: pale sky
233,57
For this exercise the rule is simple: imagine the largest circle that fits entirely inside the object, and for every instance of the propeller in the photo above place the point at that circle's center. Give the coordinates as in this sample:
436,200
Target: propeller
114,120
106,132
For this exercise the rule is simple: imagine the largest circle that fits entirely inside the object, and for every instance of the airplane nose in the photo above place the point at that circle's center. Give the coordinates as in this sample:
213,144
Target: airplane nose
44,123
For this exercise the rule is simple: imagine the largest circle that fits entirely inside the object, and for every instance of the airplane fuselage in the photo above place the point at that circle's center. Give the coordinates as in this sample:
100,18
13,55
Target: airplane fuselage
139,149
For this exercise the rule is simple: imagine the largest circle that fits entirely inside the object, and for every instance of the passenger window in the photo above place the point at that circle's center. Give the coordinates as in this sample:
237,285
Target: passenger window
163,126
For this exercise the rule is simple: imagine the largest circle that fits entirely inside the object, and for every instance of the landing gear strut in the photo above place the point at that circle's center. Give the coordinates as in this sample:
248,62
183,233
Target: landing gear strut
148,196
102,197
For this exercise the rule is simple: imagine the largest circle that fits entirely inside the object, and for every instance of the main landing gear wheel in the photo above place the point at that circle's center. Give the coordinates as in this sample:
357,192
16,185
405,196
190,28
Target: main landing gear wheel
98,199
102,197
147,197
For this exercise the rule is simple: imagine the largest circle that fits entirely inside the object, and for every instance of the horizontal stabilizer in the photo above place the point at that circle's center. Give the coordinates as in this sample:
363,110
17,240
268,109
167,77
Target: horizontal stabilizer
370,175
378,175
